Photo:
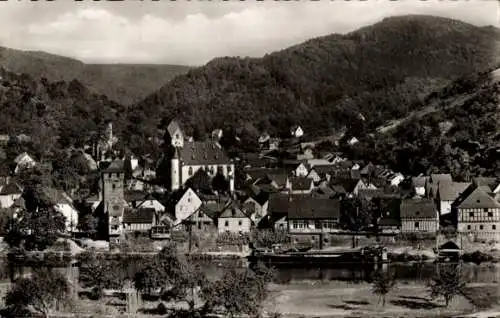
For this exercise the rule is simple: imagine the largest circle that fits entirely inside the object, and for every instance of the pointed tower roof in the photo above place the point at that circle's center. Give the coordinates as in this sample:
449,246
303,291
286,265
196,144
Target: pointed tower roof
173,127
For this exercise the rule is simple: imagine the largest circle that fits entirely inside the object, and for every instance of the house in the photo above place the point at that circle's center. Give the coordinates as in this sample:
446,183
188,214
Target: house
205,218
390,219
492,183
296,131
321,173
352,141
347,187
183,204
311,219
395,179
301,185
447,193
23,161
478,214
418,184
9,194
149,202
187,157
63,203
256,206
433,181
139,220
217,134
419,215
300,170
233,219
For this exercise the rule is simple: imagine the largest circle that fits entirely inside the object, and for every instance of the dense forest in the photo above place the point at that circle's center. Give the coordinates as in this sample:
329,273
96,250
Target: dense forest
123,83
380,72
462,137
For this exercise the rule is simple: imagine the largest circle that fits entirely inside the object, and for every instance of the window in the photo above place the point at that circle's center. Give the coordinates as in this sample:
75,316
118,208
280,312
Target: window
190,171
480,227
493,227
226,224
471,214
114,186
189,200
417,224
240,223
110,175
485,210
468,227
229,168
490,214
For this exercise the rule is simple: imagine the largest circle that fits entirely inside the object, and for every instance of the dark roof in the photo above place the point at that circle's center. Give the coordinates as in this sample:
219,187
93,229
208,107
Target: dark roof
259,173
232,210
326,169
347,174
116,166
476,198
203,153
491,183
11,188
301,183
142,215
450,190
314,208
419,182
279,178
278,203
212,209
200,181
415,209
438,177
346,185
261,198
135,195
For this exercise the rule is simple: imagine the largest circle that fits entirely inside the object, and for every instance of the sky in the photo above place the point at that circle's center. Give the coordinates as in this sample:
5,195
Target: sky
194,32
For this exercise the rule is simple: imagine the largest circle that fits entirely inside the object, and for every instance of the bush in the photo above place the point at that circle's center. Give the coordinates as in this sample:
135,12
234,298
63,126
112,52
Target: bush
266,238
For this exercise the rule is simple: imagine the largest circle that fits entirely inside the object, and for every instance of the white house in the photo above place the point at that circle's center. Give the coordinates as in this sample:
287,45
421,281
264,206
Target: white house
24,161
184,203
296,131
64,204
9,194
301,170
352,141
395,179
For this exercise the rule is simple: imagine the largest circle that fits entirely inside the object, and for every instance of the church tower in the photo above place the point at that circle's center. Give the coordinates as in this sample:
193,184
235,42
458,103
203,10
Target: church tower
113,198
175,171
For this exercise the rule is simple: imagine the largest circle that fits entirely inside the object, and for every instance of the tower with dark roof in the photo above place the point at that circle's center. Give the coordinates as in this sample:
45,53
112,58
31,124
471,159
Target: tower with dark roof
113,197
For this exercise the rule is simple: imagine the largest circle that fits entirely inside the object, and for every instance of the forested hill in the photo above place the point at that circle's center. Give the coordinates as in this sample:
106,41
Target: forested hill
124,83
462,137
381,71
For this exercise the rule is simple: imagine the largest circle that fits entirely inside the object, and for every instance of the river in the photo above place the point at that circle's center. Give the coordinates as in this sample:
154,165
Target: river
404,272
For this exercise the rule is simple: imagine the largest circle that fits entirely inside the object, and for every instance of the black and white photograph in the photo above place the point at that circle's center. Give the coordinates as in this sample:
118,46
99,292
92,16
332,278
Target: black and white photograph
249,159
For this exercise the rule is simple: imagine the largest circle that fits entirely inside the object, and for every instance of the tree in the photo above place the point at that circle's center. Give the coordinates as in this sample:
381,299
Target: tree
172,275
447,283
99,273
87,223
382,284
43,291
247,298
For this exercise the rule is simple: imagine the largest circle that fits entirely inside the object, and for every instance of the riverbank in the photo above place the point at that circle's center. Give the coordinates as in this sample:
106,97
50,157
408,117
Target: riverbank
342,299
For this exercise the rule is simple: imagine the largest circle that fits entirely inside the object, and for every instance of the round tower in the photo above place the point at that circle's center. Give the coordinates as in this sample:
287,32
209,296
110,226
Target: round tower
175,171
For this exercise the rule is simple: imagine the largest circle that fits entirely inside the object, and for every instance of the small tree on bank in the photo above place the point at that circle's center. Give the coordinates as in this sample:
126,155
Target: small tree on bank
99,273
41,292
448,283
383,283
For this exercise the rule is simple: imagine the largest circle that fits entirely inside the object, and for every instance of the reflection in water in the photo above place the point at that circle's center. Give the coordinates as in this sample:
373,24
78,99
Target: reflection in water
408,272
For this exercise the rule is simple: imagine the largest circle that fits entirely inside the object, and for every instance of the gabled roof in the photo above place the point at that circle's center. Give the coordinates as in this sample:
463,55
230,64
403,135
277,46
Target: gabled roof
200,181
450,190
203,153
212,209
347,174
301,183
11,188
476,198
261,198
418,209
323,169
279,178
117,165
20,156
139,216
232,210
346,185
314,208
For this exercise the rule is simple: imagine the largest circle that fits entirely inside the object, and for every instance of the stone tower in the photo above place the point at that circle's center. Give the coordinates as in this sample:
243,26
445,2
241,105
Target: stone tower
113,197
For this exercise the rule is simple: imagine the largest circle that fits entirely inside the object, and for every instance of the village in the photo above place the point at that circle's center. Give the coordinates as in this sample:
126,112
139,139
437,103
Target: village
311,199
